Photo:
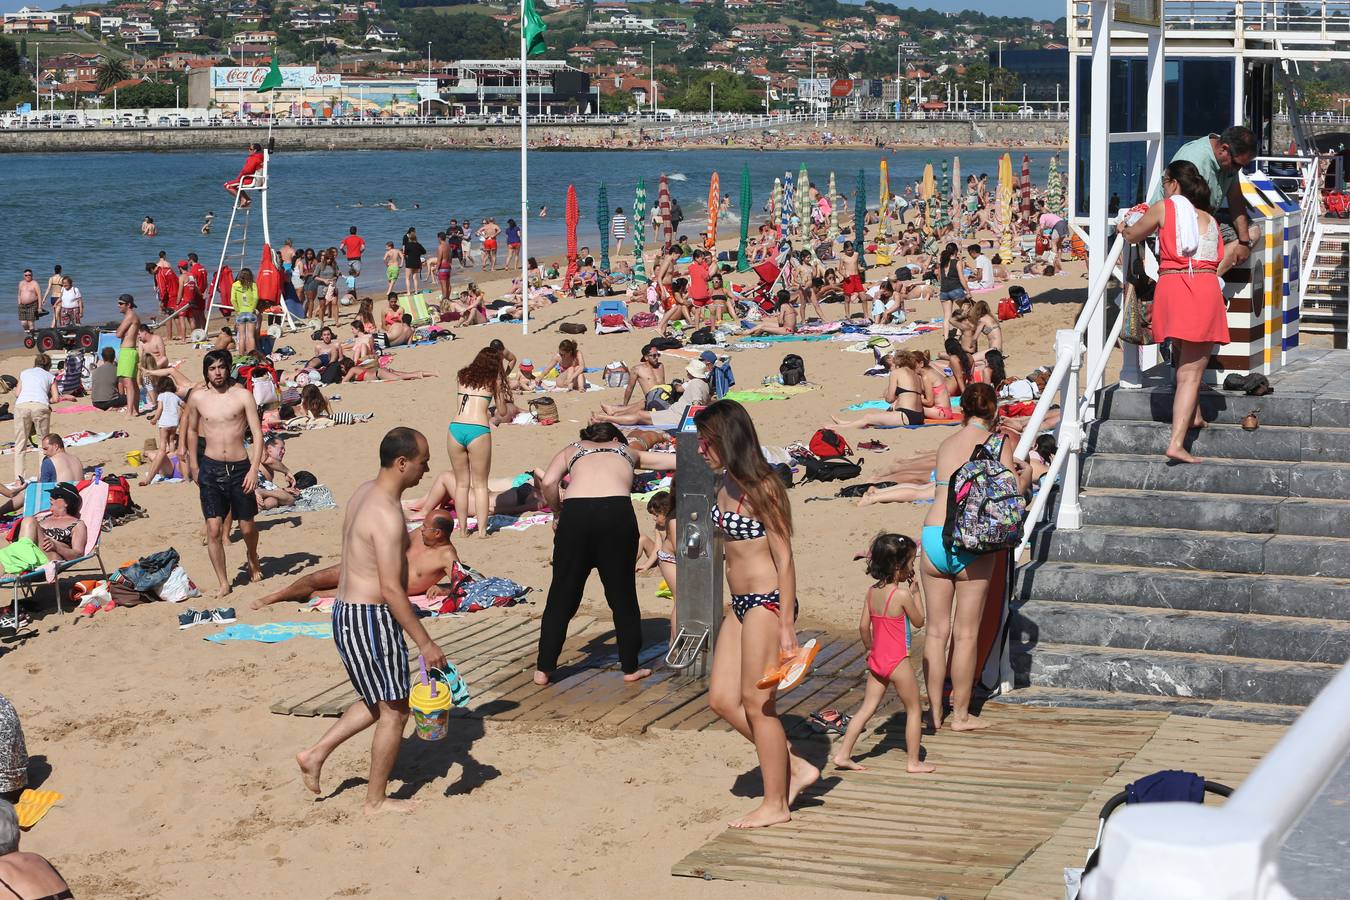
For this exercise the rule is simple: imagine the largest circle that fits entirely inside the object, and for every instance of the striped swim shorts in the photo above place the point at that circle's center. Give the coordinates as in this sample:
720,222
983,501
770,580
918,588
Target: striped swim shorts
370,643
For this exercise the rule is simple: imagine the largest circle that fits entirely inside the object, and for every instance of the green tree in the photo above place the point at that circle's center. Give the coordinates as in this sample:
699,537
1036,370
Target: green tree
837,68
460,37
1003,83
713,18
9,56
111,71
148,94
23,47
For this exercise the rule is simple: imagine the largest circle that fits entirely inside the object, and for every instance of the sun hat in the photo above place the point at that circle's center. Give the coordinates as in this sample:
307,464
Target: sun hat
697,369
66,491
526,364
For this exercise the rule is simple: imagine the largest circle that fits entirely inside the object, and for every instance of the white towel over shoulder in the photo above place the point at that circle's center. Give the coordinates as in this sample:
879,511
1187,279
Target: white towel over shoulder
1187,225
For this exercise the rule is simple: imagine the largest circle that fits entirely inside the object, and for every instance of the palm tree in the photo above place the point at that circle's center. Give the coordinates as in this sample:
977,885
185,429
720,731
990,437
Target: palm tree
837,68
110,72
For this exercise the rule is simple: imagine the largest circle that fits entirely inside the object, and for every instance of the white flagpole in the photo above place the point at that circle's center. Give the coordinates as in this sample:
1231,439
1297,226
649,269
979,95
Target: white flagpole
524,185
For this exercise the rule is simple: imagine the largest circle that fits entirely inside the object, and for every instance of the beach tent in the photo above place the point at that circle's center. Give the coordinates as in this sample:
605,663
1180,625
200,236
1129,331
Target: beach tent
639,230
714,207
572,216
602,221
742,252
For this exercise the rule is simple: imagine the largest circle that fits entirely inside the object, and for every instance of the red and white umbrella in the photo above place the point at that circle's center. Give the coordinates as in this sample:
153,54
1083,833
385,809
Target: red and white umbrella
1026,189
663,208
572,215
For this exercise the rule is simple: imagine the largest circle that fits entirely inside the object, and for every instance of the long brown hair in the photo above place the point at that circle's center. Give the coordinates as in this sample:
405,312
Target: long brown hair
313,401
484,373
728,428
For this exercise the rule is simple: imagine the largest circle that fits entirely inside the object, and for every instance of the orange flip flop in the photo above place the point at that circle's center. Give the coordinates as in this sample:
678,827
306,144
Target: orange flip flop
33,805
792,670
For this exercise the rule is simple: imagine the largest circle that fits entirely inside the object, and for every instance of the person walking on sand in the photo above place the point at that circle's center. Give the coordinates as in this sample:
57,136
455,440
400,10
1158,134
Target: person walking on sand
129,354
618,226
443,265
370,618
37,392
225,471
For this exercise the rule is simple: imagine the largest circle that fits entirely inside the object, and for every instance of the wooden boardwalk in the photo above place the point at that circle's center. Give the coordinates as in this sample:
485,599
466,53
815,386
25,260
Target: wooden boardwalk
1006,811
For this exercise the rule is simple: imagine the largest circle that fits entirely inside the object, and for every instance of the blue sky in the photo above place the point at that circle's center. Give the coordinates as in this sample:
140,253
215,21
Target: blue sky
1047,9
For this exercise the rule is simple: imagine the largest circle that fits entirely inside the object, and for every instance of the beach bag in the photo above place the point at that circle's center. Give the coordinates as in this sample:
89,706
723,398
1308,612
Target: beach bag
178,587
832,469
792,369
1137,314
119,495
645,320
545,410
829,444
1006,310
572,328
703,335
985,505
1019,296
146,573
666,343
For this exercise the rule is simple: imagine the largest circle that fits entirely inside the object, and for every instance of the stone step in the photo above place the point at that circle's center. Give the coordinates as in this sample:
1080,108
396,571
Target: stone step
1268,442
1265,478
1266,713
1119,585
1217,512
1182,631
1168,674
1203,551
1154,404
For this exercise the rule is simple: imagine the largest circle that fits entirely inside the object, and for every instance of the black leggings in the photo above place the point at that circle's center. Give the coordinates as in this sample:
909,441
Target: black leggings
593,533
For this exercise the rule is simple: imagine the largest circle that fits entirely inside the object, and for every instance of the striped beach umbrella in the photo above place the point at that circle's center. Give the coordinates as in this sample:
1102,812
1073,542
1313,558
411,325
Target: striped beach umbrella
714,207
927,187
834,211
640,229
663,210
885,199
944,204
743,252
1004,204
776,207
785,211
572,216
602,222
860,215
803,206
1054,188
1026,206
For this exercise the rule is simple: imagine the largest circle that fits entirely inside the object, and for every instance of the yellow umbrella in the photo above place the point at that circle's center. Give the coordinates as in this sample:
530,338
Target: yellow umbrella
885,198
1004,197
714,207
928,187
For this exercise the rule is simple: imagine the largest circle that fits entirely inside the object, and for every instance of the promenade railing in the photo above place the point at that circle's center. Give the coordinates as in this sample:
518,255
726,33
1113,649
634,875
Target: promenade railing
1260,20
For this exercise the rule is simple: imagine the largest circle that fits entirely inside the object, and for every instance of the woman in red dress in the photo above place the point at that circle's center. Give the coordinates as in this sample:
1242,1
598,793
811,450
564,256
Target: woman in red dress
1188,304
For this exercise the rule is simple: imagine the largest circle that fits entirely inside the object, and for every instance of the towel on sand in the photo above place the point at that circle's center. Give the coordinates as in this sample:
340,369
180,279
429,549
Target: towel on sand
311,499
271,632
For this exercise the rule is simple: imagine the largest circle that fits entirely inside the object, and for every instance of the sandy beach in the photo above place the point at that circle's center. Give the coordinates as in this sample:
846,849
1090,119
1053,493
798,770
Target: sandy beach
178,781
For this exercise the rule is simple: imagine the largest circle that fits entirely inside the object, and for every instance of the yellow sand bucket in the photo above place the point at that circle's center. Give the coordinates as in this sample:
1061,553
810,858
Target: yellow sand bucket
134,457
431,711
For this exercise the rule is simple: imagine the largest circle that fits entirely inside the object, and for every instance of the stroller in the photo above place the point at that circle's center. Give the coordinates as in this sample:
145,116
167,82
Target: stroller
1160,787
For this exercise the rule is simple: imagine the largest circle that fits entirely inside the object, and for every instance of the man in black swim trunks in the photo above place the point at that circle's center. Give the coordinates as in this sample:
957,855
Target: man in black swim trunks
226,472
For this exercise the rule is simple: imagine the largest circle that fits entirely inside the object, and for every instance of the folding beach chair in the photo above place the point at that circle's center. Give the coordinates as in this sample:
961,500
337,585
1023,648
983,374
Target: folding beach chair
415,305
611,316
93,503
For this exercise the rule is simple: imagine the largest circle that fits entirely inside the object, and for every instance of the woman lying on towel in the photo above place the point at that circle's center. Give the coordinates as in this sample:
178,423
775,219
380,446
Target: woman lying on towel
506,496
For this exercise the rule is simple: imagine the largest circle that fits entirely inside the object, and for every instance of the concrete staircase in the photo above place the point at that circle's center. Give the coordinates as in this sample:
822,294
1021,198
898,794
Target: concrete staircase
1326,295
1219,589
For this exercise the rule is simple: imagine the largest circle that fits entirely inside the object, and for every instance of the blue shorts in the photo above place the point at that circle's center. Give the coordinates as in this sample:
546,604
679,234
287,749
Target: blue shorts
947,560
958,294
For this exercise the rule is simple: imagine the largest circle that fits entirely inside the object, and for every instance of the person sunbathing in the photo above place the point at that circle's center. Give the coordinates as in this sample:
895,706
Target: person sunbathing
904,392
506,496
431,559
784,321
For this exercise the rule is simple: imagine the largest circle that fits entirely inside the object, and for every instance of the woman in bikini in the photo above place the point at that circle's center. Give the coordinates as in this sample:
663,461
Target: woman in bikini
937,396
26,874
470,438
594,528
571,366
959,578
753,513
60,534
904,392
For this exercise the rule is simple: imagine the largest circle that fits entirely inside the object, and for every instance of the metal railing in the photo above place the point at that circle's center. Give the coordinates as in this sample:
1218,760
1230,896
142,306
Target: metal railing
1233,850
1264,20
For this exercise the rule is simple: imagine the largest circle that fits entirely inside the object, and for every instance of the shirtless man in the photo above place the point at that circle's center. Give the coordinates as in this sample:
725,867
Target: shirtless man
153,353
431,557
645,375
370,617
128,357
65,466
488,232
443,265
30,301
850,274
226,473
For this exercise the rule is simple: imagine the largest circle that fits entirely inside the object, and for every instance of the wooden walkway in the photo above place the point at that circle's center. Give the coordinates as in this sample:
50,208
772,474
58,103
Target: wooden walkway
1006,811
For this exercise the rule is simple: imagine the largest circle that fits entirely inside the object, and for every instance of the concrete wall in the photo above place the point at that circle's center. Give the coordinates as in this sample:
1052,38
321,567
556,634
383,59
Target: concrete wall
428,137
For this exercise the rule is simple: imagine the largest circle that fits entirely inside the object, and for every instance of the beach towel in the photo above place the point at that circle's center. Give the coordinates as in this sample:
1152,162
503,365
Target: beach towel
415,305
271,632
325,604
78,408
868,404
33,805
1187,225
311,499
755,395
789,338
24,556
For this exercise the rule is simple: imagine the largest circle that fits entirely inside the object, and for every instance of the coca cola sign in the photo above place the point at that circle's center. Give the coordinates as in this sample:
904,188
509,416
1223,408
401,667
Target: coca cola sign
292,77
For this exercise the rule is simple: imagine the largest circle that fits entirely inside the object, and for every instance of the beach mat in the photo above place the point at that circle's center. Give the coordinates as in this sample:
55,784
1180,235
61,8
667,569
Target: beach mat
312,499
271,632
33,805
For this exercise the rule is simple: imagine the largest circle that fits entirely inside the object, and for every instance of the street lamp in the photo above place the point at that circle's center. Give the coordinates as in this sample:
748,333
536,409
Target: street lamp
427,101
712,94
651,78
1000,52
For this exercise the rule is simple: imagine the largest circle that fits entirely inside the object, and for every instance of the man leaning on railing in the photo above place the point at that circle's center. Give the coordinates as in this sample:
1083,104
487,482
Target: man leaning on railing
1220,157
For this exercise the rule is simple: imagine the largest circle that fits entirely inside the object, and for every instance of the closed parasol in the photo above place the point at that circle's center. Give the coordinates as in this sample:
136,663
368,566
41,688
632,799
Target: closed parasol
776,207
860,215
927,187
640,229
663,210
1004,200
944,203
714,207
834,211
743,252
573,216
1025,205
1054,188
803,207
785,212
602,222
885,201
957,189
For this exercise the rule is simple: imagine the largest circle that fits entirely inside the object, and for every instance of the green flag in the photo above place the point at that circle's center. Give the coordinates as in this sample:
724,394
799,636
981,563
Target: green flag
273,79
534,27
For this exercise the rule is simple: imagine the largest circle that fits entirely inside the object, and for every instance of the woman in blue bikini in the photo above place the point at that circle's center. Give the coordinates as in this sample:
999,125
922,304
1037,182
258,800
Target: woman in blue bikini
958,577
470,439
755,519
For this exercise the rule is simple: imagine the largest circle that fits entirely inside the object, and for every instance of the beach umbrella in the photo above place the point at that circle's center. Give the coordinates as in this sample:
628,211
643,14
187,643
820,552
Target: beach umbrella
1054,188
776,206
640,229
859,214
927,188
1005,206
885,199
663,210
834,211
602,220
714,207
785,212
803,207
573,216
1026,188
742,252
944,205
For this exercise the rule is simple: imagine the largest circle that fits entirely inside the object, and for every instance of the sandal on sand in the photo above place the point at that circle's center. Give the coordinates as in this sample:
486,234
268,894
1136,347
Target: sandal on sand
825,721
792,670
873,445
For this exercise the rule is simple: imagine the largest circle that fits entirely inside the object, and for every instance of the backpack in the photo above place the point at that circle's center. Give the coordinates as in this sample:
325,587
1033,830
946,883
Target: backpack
792,369
1021,298
572,328
666,343
119,493
703,335
645,320
829,444
985,505
1006,310
830,469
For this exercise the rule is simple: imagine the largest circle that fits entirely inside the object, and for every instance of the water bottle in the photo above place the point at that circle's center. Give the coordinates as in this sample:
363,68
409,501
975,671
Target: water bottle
98,475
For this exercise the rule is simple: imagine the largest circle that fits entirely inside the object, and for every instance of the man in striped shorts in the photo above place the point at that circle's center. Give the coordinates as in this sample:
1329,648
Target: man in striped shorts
370,616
